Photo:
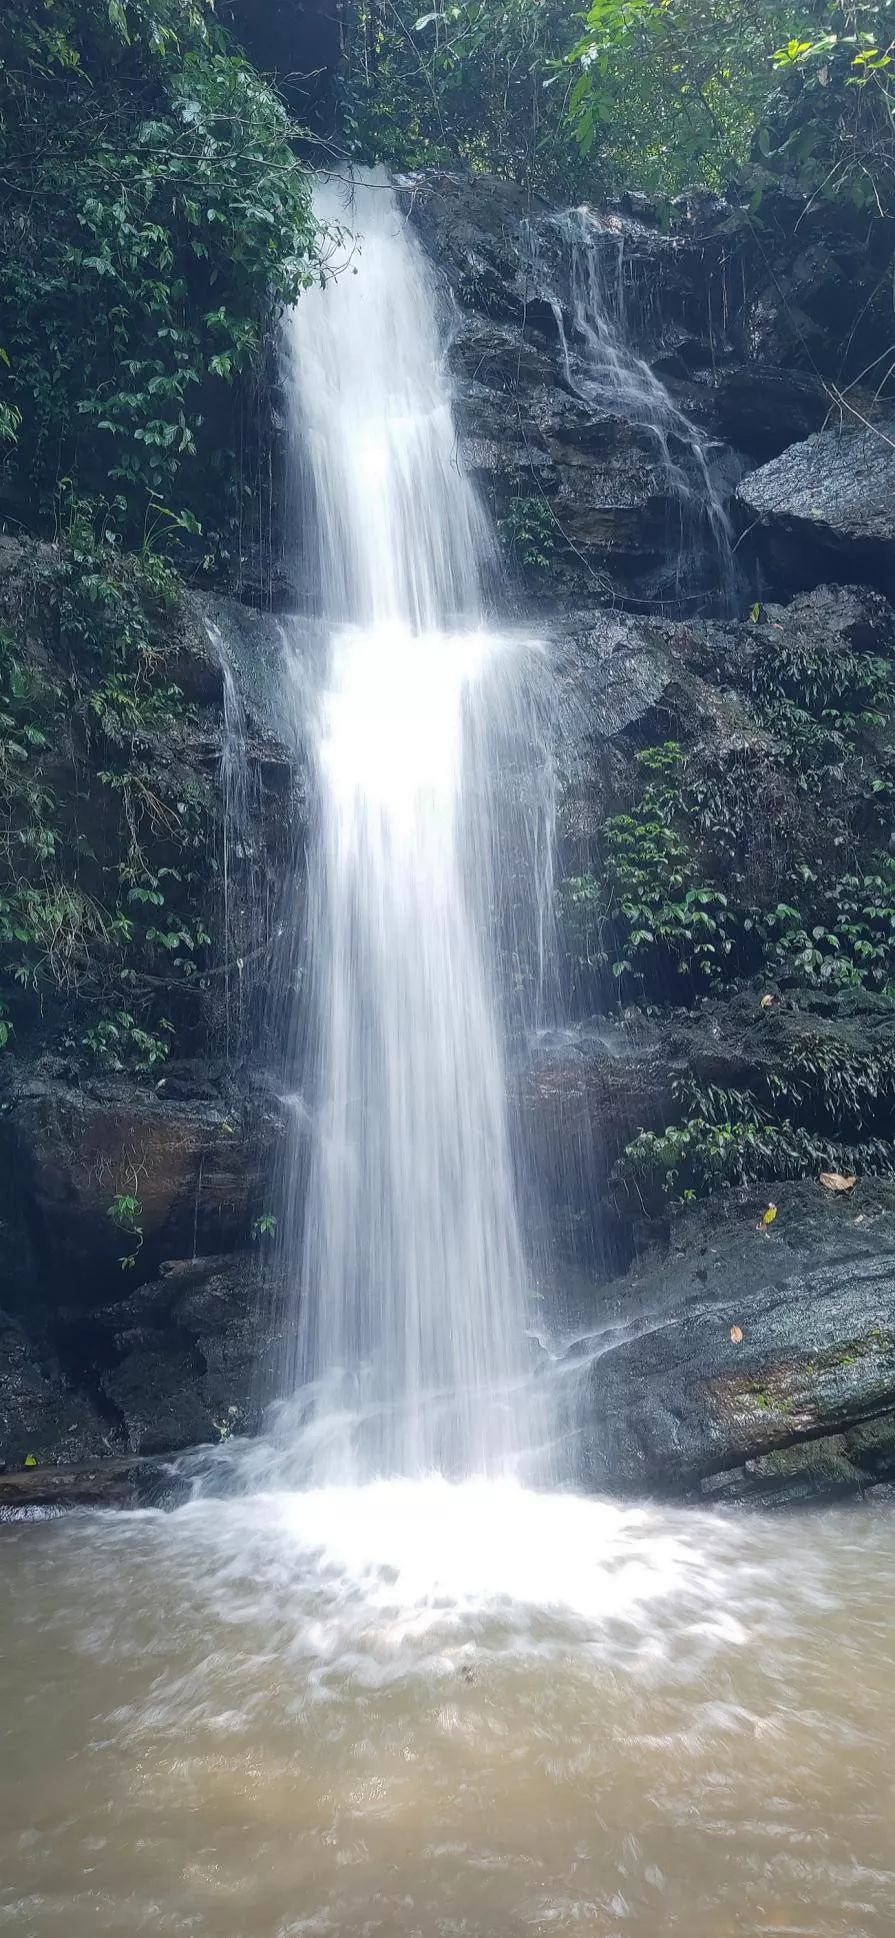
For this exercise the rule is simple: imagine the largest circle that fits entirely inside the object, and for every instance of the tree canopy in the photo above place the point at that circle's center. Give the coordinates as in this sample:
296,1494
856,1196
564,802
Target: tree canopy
659,94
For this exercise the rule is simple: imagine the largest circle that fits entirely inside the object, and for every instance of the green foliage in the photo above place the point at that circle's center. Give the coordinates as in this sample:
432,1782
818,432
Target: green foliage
152,212
828,681
126,1213
830,1083
727,1138
265,1226
464,82
654,910
118,1042
103,836
834,136
669,92
676,91
651,908
831,709
842,936
657,93
529,531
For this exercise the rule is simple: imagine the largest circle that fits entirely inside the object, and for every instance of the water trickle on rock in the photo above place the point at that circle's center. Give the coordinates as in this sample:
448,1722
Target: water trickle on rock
587,298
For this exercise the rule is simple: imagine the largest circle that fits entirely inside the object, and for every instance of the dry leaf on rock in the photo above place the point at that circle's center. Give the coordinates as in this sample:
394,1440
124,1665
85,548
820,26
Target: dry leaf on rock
836,1181
736,1334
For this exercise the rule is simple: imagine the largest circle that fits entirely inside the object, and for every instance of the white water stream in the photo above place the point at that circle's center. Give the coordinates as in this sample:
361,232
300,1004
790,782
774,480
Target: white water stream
408,1267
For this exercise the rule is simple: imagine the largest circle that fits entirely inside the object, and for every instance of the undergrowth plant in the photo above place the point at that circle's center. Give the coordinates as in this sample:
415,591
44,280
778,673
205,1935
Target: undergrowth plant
651,914
529,531
727,1138
104,831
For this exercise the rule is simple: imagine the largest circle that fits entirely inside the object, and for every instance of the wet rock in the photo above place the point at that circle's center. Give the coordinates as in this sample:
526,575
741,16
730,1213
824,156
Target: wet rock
748,1342
41,1418
797,1476
806,288
186,1359
193,1354
474,227
827,506
36,1492
608,501
198,1168
595,480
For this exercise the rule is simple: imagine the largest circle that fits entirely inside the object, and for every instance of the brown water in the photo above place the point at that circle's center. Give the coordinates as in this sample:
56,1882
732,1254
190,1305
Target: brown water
415,1709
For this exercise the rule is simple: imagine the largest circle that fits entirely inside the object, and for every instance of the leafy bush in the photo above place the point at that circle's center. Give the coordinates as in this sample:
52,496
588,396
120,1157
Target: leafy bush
151,214
843,935
827,1082
117,1042
654,93
465,82
726,1138
651,913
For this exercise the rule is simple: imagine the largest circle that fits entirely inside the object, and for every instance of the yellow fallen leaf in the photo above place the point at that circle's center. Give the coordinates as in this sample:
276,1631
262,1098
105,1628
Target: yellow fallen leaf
835,1181
30,1460
736,1334
767,1001
768,1215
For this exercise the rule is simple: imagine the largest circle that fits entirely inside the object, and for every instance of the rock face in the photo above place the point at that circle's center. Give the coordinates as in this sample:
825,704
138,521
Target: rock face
757,1364
829,499
199,1169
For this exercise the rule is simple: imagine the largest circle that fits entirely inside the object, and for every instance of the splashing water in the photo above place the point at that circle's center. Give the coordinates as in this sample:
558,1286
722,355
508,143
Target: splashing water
405,1251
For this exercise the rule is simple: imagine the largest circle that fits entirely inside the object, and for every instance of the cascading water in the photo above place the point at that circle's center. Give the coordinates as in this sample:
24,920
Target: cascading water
604,368
405,1255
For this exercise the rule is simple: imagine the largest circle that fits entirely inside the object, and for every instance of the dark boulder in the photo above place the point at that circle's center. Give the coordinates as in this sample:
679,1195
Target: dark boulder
826,508
722,1365
762,410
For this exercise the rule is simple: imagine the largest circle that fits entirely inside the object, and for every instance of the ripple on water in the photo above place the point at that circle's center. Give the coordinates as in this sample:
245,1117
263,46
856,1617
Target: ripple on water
426,1707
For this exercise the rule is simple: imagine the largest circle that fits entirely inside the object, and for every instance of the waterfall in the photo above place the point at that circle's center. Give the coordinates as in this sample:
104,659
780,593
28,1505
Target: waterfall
401,1234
